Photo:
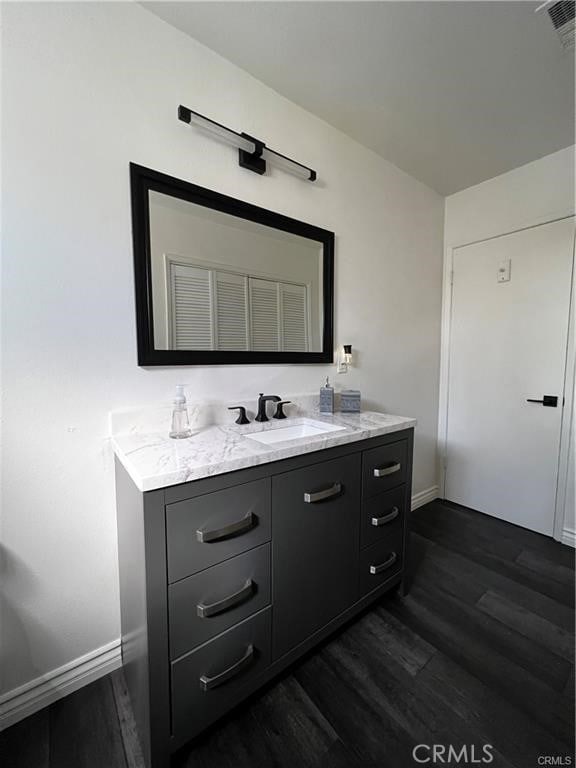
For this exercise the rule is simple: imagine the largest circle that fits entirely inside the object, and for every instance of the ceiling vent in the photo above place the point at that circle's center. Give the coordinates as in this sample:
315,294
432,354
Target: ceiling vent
562,17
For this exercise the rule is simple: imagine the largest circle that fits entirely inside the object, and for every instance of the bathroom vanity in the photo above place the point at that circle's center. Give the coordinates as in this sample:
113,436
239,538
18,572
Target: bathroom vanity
238,556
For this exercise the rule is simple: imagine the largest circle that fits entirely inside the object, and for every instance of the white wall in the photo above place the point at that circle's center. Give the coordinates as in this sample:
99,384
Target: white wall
88,87
532,194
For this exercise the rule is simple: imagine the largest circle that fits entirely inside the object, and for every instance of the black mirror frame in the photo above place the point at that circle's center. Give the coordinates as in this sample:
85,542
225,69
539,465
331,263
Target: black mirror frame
142,180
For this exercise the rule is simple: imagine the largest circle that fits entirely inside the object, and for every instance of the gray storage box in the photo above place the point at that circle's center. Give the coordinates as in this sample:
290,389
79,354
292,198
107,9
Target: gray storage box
350,401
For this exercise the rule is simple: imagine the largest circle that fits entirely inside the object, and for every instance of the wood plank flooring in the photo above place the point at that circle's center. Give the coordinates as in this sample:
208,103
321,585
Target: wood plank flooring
480,652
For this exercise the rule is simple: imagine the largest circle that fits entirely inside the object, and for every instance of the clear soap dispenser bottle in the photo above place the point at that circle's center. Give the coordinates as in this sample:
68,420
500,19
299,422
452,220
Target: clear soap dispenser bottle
180,421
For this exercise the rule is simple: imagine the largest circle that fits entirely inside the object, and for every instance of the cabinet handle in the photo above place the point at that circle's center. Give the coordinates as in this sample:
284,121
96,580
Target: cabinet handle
211,609
390,560
233,529
389,470
327,493
206,683
378,521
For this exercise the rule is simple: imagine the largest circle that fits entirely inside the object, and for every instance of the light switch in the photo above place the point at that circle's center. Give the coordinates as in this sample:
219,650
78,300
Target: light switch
504,271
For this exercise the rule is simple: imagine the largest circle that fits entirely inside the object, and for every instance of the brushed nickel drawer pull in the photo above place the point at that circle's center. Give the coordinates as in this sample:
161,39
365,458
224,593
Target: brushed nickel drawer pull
389,470
376,569
212,609
206,683
233,529
378,521
327,493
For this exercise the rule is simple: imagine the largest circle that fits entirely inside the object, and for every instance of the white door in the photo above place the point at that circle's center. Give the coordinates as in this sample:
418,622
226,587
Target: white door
508,345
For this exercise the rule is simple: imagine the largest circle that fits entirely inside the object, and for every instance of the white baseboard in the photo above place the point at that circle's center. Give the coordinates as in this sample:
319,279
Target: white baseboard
29,698
424,497
569,537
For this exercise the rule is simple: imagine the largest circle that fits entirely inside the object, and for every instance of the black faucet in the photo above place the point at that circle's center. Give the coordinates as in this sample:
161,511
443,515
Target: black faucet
262,400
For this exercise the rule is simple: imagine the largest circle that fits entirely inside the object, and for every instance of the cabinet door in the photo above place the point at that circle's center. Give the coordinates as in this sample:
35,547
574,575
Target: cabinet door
315,547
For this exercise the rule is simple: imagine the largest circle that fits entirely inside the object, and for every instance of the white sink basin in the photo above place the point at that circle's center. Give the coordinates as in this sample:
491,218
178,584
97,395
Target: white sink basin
306,428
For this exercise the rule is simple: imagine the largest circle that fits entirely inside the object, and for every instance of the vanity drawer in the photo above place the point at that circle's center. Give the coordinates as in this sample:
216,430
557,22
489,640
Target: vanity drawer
384,467
208,529
380,561
382,515
209,681
206,604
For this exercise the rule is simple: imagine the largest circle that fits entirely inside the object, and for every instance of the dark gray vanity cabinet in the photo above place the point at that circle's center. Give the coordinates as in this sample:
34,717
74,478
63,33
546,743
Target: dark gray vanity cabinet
227,580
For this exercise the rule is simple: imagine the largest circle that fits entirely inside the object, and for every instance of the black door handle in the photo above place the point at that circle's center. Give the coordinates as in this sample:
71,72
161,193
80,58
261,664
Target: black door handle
549,400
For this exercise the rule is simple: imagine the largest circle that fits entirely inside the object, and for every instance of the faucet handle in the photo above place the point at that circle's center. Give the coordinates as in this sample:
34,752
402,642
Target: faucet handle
241,416
280,409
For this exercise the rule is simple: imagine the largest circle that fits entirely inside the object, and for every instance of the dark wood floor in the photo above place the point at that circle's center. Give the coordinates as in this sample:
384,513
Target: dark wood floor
480,652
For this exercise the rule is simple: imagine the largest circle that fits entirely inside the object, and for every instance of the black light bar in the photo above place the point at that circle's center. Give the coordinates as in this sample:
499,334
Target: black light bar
253,154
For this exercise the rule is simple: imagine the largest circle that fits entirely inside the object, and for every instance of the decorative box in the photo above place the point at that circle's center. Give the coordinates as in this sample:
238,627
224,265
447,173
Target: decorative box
350,401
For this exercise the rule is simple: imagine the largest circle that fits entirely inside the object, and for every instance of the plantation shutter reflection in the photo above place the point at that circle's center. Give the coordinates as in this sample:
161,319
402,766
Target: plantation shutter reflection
231,311
294,318
191,308
218,310
264,315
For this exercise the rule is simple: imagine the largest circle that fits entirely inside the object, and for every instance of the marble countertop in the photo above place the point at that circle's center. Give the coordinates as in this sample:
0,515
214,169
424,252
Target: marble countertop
154,460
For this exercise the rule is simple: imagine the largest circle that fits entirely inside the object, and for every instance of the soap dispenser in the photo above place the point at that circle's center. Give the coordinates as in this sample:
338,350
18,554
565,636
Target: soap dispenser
327,398
180,421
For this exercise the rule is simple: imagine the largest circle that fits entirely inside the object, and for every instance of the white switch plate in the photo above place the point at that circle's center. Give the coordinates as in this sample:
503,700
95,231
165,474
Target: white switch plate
504,268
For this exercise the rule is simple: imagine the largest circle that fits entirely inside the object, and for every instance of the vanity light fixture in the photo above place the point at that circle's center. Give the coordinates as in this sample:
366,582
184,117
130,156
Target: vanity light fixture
253,154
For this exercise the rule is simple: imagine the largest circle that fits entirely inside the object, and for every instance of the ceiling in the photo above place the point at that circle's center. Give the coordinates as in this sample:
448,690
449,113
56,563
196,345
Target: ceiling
451,92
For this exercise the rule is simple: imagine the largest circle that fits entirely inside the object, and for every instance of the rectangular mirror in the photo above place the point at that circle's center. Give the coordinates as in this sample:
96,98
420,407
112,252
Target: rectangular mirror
221,281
